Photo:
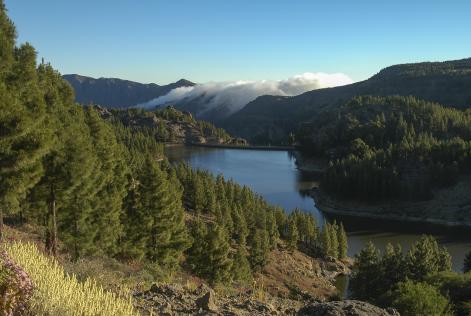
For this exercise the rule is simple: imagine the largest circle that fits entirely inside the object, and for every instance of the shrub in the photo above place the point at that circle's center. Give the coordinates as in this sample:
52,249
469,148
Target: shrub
420,299
57,293
15,287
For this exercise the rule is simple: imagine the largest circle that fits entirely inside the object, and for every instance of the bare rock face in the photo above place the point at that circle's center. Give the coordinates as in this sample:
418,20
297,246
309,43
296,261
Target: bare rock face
345,308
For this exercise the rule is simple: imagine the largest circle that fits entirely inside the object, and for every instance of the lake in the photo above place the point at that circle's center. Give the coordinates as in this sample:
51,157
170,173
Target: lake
274,175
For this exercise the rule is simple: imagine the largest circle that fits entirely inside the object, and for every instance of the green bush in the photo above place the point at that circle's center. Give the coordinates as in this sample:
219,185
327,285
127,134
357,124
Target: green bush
420,299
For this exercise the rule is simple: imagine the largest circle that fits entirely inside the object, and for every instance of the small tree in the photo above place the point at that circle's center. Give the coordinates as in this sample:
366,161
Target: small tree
343,242
467,262
241,266
326,242
218,262
426,257
364,280
420,299
259,248
293,234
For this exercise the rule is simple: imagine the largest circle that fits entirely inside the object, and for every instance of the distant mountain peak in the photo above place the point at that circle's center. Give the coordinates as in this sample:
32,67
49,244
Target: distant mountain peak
185,82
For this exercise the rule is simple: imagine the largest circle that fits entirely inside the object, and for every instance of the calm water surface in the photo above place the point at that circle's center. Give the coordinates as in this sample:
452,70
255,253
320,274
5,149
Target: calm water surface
274,175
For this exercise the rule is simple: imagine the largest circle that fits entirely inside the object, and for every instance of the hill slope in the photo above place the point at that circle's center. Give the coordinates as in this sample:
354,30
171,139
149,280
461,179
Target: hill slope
271,118
117,93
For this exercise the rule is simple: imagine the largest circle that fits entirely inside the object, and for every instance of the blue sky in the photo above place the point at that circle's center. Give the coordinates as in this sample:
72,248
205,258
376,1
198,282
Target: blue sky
163,41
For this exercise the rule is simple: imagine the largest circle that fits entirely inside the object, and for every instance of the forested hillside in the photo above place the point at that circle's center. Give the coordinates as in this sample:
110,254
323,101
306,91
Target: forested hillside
166,125
272,119
390,147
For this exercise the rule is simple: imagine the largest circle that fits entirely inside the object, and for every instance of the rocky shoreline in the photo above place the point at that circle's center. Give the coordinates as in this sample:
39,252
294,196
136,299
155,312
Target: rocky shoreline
450,207
450,212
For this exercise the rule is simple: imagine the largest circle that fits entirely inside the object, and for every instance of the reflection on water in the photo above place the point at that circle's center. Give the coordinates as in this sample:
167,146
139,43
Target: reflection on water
274,175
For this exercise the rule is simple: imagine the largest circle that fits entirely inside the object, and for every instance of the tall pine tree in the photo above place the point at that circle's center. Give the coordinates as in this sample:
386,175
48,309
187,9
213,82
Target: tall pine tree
23,136
161,200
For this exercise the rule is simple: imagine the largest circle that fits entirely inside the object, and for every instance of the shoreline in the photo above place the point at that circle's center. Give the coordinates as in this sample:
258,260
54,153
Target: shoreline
331,206
244,147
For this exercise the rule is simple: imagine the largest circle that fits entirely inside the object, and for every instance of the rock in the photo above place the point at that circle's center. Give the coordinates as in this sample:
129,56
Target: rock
345,308
206,302
166,310
155,288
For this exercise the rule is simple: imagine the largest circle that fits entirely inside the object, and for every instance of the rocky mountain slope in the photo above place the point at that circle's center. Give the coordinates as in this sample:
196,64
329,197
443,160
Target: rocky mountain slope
117,93
271,118
169,125
189,295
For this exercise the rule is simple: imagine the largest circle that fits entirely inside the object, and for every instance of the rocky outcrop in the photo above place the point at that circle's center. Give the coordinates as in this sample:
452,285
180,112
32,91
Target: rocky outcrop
345,308
174,299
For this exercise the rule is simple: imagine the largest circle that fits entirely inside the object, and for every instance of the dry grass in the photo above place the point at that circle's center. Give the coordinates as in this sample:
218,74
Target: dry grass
57,293
288,272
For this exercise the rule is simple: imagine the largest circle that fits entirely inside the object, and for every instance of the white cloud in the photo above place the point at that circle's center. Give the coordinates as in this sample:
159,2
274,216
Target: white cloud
236,94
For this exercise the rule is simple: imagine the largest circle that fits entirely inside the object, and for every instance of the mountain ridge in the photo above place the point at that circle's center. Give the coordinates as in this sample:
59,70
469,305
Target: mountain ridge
116,92
272,118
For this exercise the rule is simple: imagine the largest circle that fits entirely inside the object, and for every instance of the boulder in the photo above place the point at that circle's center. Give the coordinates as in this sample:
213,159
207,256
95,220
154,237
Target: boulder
166,310
345,308
207,302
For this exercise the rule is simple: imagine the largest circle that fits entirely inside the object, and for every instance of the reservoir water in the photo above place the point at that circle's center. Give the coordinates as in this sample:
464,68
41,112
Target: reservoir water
274,175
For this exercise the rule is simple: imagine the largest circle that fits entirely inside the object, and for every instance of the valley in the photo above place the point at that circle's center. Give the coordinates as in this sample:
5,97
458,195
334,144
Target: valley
274,184
278,179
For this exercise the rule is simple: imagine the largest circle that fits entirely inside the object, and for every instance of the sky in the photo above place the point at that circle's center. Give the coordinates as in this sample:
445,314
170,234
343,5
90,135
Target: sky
222,40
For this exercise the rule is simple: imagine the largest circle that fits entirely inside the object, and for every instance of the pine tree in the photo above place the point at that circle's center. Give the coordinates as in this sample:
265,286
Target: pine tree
426,257
364,280
393,267
226,218
111,185
241,266
133,243
343,242
326,243
311,229
241,230
162,202
197,193
272,228
259,248
209,255
467,263
24,140
332,230
292,234
70,172
196,254
218,255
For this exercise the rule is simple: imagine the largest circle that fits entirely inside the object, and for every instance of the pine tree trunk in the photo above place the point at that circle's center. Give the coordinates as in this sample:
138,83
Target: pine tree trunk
1,224
76,251
52,210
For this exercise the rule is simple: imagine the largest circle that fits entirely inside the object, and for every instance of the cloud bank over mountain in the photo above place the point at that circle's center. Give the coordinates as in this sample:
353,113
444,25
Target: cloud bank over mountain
235,95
